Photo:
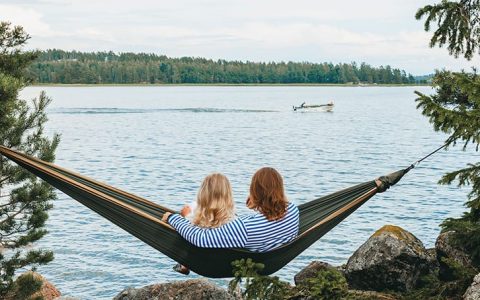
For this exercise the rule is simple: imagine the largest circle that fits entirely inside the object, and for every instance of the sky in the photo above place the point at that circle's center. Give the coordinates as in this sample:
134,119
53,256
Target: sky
378,32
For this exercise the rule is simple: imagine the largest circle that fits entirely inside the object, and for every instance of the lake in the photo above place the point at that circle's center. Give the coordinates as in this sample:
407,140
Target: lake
161,141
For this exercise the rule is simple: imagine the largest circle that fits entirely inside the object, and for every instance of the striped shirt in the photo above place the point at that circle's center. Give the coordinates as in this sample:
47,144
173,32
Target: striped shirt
253,232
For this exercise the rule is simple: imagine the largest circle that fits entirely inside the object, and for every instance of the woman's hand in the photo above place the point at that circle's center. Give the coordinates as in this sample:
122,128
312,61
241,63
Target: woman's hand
165,216
186,210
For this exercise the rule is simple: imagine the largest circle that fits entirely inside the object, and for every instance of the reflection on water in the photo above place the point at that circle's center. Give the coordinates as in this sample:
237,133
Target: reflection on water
116,110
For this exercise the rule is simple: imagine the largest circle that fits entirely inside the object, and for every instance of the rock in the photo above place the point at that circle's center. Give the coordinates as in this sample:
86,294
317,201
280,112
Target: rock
66,298
311,271
445,249
370,295
195,289
473,292
391,259
433,260
47,291
432,255
342,268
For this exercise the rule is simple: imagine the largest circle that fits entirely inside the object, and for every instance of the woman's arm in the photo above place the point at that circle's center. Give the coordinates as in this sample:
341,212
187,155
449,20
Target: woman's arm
230,235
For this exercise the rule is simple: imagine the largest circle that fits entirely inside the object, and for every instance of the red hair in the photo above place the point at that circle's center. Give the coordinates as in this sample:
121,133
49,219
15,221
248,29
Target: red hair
267,193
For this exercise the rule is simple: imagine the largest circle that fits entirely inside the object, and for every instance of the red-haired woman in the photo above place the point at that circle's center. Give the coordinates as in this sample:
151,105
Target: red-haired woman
275,222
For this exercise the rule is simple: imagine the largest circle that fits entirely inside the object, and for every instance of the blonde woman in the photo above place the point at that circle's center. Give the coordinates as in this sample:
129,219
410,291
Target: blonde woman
214,207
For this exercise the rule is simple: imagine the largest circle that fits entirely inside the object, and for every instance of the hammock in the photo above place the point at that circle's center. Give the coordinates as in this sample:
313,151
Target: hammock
142,218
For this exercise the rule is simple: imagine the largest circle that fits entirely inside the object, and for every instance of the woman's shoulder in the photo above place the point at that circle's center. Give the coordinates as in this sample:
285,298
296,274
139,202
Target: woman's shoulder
291,207
292,210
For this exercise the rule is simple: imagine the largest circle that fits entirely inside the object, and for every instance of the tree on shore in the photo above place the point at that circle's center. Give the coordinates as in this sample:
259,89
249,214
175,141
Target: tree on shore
72,67
24,200
455,107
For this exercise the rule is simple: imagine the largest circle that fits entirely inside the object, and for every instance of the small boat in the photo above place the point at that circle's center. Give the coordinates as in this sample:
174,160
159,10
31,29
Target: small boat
314,107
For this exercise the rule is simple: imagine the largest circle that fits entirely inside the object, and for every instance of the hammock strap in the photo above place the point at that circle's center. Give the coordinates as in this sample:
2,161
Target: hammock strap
425,157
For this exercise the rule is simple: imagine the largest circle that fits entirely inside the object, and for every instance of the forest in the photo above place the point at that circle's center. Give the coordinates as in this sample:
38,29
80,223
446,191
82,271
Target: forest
73,67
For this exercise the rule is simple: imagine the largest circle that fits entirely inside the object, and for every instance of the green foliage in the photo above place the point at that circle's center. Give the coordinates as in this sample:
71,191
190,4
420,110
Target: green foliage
328,284
431,287
467,235
458,25
257,286
26,285
24,199
13,60
455,108
458,271
57,66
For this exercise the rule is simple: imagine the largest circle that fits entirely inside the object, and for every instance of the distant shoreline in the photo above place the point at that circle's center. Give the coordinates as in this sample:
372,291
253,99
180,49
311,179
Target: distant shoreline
224,84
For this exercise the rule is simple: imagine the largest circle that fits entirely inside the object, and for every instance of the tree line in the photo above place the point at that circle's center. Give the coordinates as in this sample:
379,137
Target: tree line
58,66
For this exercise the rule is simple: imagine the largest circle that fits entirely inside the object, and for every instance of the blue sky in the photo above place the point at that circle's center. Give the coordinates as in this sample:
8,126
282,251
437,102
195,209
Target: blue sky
373,31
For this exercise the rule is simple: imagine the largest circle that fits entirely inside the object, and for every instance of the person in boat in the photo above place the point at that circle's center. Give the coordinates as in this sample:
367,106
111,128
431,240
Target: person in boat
213,208
303,104
274,223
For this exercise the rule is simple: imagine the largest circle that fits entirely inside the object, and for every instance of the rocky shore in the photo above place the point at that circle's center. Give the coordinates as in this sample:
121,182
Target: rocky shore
391,264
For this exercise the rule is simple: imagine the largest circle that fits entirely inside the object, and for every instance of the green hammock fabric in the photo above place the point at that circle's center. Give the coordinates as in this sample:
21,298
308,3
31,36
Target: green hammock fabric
142,218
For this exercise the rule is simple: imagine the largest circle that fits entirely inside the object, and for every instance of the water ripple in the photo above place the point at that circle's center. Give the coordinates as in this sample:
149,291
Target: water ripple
116,110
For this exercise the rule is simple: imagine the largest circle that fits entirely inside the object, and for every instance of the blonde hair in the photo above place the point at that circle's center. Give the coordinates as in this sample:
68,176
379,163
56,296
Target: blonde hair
215,205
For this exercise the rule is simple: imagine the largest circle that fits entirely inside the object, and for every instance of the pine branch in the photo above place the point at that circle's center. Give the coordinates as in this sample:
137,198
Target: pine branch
10,217
457,24
5,179
17,231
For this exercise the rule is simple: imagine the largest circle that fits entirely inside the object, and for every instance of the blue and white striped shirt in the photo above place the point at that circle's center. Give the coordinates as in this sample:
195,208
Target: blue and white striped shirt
255,232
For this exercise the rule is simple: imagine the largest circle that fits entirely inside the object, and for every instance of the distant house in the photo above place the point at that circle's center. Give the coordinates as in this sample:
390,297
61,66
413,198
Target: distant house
67,59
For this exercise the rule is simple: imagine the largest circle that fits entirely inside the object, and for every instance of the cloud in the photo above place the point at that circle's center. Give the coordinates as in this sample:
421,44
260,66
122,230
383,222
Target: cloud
30,19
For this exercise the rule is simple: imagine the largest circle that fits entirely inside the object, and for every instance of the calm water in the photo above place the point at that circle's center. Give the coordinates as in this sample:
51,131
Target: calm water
159,142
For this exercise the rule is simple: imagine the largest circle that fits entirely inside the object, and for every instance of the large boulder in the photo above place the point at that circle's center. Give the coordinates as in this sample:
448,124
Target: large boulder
194,289
391,259
311,271
446,249
48,291
473,292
